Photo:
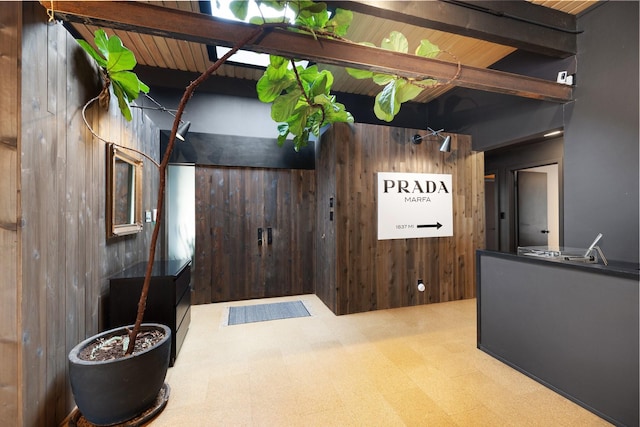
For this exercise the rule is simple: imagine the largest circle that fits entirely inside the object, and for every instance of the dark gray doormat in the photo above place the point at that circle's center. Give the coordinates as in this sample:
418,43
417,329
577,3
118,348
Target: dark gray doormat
263,312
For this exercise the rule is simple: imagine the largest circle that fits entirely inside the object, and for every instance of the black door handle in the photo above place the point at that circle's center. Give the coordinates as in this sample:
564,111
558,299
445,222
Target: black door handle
269,236
544,231
259,236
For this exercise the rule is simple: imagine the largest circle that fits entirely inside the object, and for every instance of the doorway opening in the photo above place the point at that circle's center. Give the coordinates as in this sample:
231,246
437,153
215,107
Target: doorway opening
537,206
492,240
523,195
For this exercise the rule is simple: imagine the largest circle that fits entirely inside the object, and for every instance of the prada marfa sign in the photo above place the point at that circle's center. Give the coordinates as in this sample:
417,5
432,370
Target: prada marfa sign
414,205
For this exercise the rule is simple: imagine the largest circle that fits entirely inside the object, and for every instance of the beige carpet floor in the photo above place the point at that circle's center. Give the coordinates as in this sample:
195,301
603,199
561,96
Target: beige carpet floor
414,366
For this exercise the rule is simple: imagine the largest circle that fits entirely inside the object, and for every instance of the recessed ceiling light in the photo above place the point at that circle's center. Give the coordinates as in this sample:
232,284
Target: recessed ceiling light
554,133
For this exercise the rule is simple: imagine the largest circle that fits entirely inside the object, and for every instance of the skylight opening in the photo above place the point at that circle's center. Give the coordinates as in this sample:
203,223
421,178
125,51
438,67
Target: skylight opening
244,57
220,9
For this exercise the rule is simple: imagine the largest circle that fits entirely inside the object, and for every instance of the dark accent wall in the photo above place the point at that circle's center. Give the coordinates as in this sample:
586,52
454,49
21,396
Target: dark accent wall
356,271
65,259
601,127
571,326
208,149
602,133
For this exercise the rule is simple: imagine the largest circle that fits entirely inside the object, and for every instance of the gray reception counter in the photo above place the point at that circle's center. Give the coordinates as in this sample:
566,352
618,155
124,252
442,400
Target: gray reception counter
572,327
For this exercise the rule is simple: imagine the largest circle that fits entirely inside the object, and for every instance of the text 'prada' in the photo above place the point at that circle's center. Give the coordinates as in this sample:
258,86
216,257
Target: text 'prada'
424,187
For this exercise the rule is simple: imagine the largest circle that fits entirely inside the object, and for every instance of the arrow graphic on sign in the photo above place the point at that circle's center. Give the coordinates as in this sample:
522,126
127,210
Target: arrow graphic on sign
436,226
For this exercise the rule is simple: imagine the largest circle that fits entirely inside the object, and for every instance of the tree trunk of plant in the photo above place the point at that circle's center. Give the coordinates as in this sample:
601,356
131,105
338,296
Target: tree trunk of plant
142,303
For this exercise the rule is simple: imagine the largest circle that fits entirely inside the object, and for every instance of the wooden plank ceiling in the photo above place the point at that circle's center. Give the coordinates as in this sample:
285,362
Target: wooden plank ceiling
169,53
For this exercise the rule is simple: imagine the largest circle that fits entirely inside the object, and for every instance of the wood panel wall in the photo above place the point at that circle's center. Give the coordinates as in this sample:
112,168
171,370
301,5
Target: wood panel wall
231,204
10,286
355,271
64,259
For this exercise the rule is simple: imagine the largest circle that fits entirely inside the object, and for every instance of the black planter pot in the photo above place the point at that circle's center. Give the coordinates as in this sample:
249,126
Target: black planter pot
115,391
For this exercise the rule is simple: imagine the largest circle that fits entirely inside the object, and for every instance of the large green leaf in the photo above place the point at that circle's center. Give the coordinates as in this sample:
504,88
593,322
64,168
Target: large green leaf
311,7
427,49
277,61
314,20
283,132
405,91
102,42
269,90
122,100
298,120
239,8
427,82
387,98
120,58
337,112
359,74
91,51
309,74
259,20
284,105
129,83
381,114
386,105
383,79
322,84
340,22
300,141
277,68
396,42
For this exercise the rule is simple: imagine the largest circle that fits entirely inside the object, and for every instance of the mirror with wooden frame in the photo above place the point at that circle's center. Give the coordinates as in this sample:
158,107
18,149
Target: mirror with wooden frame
124,193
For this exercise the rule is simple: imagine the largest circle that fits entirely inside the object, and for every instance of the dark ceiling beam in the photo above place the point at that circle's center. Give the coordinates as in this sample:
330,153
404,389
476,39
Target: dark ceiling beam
149,19
519,24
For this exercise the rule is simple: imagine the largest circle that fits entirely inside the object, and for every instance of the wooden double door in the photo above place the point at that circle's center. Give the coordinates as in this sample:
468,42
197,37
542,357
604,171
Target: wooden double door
254,233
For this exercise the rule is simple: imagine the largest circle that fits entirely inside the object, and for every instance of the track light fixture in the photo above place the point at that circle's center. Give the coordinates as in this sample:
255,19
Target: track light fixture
446,144
183,129
184,126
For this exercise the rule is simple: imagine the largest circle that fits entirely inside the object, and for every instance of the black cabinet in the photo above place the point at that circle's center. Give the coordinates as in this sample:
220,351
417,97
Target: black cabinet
168,302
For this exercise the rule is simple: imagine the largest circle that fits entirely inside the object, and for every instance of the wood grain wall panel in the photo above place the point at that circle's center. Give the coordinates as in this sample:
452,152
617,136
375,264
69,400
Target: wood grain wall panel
65,259
201,270
10,256
37,149
231,205
371,274
61,226
325,247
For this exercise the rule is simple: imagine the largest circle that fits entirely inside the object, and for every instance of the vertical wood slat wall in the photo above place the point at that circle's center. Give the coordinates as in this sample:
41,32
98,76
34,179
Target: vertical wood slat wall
64,259
355,271
10,285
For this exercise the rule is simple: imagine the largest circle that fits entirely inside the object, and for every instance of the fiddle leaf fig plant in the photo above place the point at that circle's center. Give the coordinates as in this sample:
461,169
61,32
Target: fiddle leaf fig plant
116,63
397,90
301,99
